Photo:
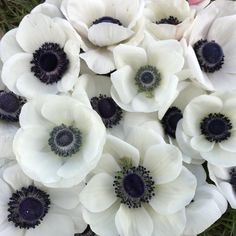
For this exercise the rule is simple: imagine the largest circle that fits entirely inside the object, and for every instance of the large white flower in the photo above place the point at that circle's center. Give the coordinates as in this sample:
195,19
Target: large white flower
41,56
168,19
30,209
207,206
104,24
225,180
145,79
60,140
211,53
208,126
140,186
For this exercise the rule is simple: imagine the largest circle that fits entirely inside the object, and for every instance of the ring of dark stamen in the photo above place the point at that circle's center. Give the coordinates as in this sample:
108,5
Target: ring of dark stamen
49,63
108,110
10,106
147,79
28,207
87,232
216,127
65,140
209,54
171,20
134,186
170,120
107,19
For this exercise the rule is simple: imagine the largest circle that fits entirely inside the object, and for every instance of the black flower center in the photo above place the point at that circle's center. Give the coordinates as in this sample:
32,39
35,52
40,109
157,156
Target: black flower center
65,140
10,106
134,186
108,110
50,63
216,127
171,20
147,79
87,232
28,207
107,19
209,54
170,120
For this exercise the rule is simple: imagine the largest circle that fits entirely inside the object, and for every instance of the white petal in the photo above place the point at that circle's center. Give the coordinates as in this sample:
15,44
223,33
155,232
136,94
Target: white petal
30,86
53,224
174,196
101,186
133,222
103,223
14,176
47,9
107,34
220,157
42,29
197,109
143,139
124,84
164,161
201,144
14,68
9,46
10,230
99,61
6,193
129,55
229,193
229,144
169,225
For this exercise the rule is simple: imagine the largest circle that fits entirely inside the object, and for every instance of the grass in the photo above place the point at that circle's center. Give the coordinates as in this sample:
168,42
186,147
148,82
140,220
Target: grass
11,13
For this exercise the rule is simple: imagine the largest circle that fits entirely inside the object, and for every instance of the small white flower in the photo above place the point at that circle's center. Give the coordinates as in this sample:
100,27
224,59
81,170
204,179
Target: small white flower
29,208
211,53
145,78
102,25
168,19
141,188
208,127
41,56
225,180
207,206
60,140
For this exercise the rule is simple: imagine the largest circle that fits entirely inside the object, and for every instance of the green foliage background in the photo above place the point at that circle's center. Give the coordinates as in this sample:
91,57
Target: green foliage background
11,13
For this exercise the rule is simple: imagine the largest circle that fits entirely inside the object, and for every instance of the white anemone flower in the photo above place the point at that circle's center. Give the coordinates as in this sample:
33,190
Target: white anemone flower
60,140
40,57
225,180
104,24
141,188
145,78
209,127
30,209
168,19
207,205
211,52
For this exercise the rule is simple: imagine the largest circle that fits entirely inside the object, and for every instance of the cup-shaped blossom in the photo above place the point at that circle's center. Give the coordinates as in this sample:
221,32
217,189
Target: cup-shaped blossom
145,78
60,140
41,56
208,127
141,188
28,208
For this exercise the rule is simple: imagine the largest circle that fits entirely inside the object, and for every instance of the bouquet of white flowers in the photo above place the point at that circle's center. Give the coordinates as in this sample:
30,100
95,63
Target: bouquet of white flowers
108,111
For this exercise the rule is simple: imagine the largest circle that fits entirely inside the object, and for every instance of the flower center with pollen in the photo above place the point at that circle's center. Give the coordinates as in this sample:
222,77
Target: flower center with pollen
10,106
28,207
170,120
50,63
134,186
147,79
108,110
171,20
65,140
107,19
216,127
209,54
